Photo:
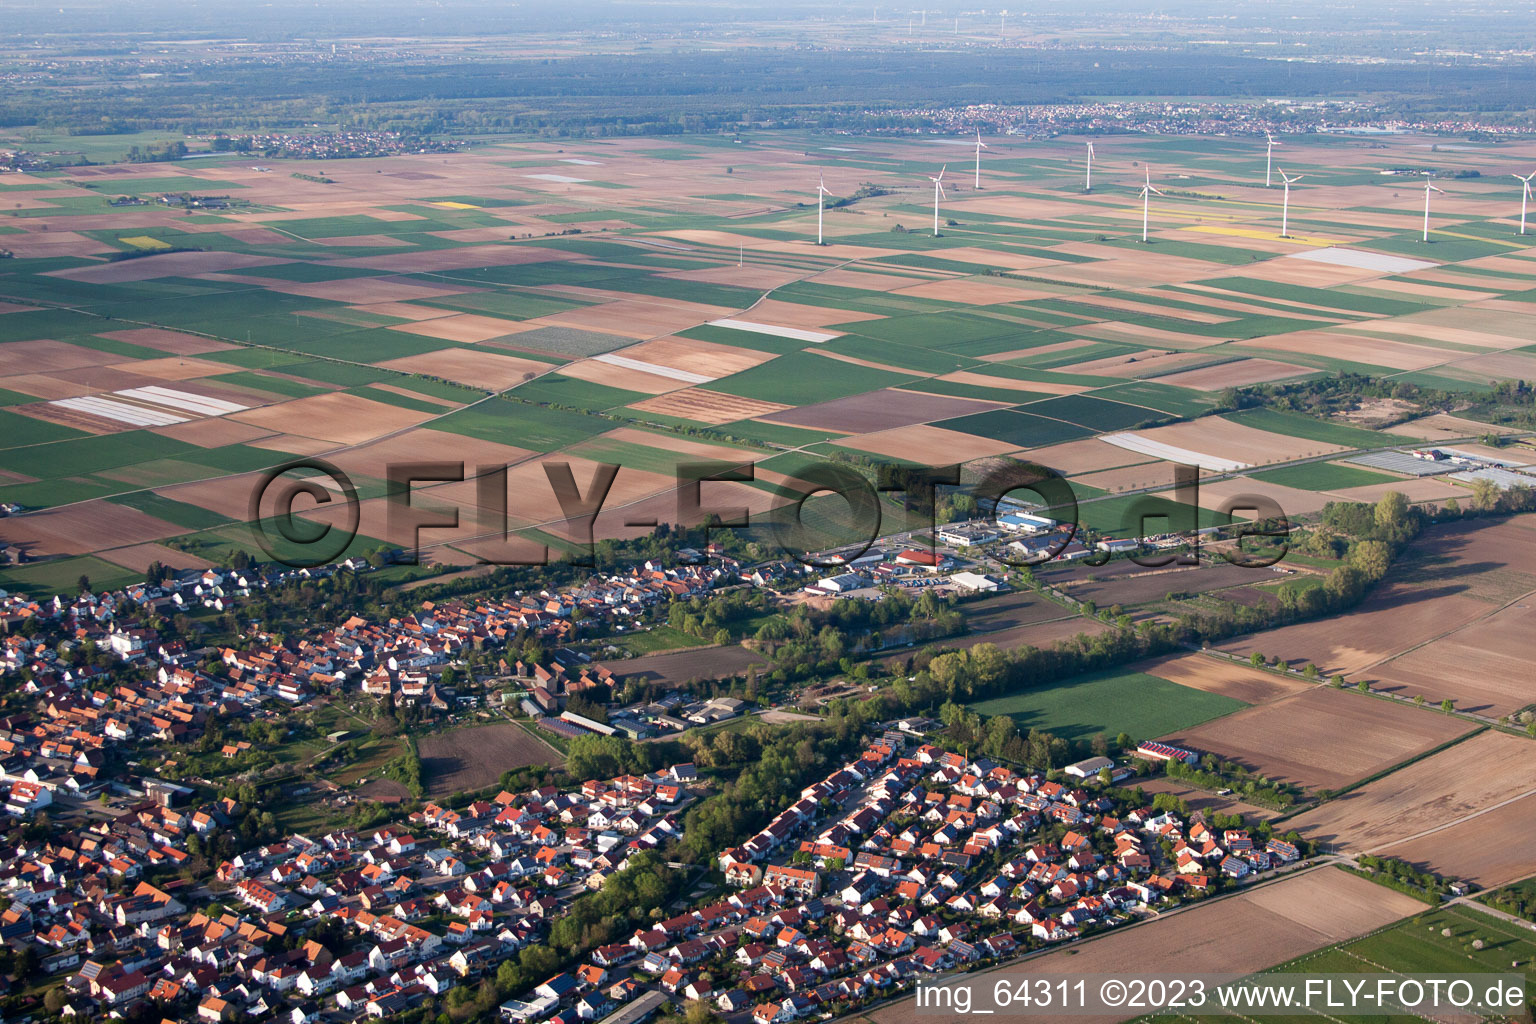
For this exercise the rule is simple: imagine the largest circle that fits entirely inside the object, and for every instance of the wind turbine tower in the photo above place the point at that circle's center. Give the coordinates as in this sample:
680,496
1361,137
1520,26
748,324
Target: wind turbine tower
1269,158
1147,192
1428,188
979,147
938,192
1088,175
1525,193
821,206
1285,207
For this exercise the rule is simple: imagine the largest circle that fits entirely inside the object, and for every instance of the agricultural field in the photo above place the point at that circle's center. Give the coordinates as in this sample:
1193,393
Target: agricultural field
472,757
1450,621
1136,702
1449,811
153,364
1322,738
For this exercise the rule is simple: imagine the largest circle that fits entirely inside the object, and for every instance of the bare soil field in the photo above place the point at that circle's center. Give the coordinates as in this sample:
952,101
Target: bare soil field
779,313
1121,305
1394,617
681,666
1010,384
474,757
47,356
1421,489
176,368
1234,375
1115,330
466,327
1135,364
1488,849
214,432
705,357
1044,633
171,264
1247,932
337,417
1227,440
1492,560
359,291
1322,739
457,259
703,406
1010,610
636,318
173,342
1087,456
929,445
1216,675
75,529
1230,493
597,372
1142,585
1485,667
1443,427
879,410
139,556
1125,478
1471,777
979,293
471,367
1395,355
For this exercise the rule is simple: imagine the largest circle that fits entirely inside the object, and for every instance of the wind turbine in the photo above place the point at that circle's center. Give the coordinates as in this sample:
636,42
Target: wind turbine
1088,175
1147,192
938,191
821,205
1428,188
1525,193
979,147
1269,158
1285,209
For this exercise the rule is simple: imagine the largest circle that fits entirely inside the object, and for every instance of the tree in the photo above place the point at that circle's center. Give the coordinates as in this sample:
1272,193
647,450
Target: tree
1106,775
1419,701
85,583
1447,705
1256,660
1392,514
1338,682
1363,686
1485,494
1371,557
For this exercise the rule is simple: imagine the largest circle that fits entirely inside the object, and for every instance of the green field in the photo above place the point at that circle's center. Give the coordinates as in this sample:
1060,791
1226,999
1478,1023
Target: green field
525,426
799,378
1324,476
61,576
1110,702
1018,428
1294,424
